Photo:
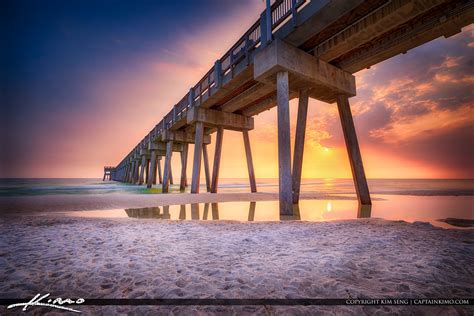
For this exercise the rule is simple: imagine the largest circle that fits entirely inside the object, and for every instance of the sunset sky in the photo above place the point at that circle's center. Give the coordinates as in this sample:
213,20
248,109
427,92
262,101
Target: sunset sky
83,81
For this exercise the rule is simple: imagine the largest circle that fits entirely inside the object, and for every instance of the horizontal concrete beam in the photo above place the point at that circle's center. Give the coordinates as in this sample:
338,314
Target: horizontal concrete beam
162,147
389,16
215,118
248,96
264,104
182,137
305,72
144,151
449,19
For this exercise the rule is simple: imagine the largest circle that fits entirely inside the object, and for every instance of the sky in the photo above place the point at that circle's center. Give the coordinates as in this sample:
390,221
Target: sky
83,81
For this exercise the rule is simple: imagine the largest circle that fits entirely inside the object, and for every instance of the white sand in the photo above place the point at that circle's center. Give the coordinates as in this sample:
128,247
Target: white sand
139,258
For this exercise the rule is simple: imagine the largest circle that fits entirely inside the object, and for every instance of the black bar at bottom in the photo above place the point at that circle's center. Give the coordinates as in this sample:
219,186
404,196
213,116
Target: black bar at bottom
270,301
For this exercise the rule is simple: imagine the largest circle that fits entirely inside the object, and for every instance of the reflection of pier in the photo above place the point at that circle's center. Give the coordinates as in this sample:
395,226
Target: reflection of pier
211,212
149,212
297,49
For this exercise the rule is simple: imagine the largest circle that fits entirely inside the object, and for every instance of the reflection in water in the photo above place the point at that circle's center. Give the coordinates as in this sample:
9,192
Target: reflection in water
233,211
149,212
215,211
252,211
182,211
441,211
195,211
296,214
364,211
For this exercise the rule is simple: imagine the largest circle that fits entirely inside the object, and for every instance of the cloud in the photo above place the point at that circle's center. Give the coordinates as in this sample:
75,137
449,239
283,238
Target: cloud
418,107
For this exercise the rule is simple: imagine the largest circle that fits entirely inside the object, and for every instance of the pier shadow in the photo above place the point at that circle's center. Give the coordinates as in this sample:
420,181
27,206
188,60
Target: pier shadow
246,211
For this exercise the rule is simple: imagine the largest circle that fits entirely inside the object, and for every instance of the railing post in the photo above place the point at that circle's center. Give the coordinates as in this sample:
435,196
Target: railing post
218,73
263,33
266,25
191,97
293,12
247,55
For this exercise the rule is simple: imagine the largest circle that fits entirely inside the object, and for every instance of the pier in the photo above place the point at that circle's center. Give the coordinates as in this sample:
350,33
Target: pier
296,49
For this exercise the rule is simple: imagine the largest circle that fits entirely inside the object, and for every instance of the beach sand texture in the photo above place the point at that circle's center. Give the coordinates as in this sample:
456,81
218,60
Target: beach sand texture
140,258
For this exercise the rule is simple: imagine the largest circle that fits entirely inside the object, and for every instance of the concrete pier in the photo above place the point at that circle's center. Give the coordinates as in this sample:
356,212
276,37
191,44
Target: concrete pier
300,48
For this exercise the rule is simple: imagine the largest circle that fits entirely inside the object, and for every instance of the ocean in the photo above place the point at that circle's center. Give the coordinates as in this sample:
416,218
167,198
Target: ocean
417,187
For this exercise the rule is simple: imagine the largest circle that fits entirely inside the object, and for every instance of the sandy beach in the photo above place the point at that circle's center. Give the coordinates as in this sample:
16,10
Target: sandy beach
139,258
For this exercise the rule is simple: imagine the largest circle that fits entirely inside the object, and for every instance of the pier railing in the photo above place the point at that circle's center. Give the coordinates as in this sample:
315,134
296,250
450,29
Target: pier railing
226,68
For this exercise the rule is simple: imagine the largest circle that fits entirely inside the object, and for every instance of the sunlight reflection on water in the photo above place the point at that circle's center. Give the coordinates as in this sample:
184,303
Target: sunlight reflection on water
390,207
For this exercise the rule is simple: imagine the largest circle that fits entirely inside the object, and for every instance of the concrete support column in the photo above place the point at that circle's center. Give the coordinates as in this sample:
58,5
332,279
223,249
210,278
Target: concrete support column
284,151
248,154
127,174
135,173
152,170
184,162
299,143
171,175
142,170
197,157
147,170
353,150
206,168
217,160
167,167
130,172
160,176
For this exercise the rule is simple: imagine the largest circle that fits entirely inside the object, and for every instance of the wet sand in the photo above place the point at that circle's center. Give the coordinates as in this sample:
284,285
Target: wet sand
140,258
83,202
